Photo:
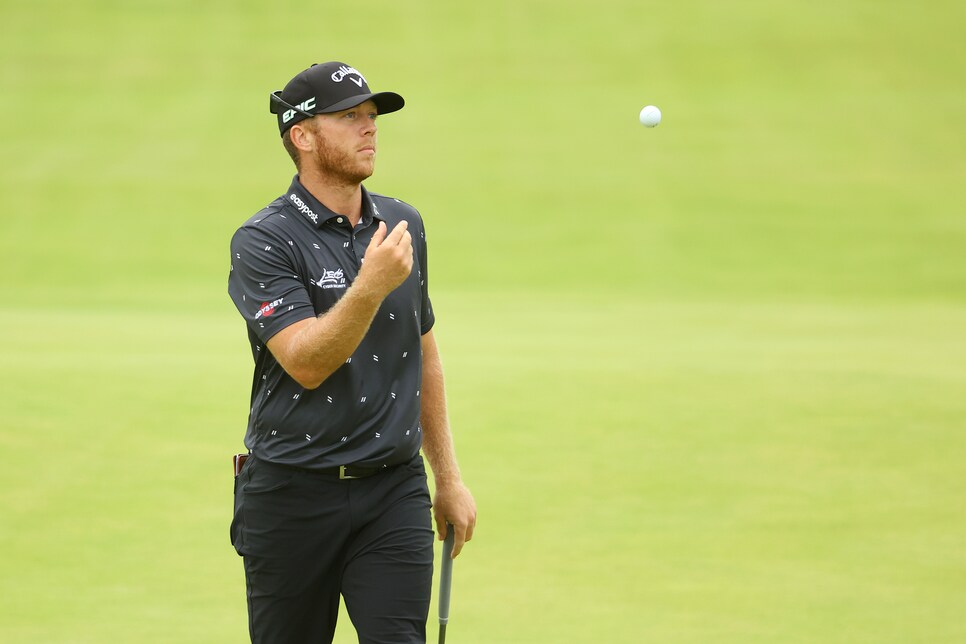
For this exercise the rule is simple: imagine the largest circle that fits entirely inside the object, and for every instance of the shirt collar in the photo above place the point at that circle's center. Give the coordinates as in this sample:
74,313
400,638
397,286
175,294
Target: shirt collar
317,214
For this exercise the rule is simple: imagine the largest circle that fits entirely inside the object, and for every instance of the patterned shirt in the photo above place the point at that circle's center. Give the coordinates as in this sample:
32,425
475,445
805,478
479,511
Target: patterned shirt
292,261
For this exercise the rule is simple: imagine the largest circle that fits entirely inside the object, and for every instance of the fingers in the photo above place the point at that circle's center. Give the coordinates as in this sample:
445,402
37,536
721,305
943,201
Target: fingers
378,236
462,532
453,504
388,260
460,539
441,526
399,234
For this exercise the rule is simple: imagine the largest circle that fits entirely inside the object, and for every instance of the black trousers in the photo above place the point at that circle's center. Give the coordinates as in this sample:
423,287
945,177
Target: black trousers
307,538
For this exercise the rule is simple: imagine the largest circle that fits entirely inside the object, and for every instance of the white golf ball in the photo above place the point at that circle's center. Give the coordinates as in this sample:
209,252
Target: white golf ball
650,116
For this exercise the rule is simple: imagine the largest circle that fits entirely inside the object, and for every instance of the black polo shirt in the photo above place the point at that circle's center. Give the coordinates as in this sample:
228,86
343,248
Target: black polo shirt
293,260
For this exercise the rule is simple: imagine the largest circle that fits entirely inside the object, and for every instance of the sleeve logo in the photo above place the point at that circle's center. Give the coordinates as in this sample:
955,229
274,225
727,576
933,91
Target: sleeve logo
267,308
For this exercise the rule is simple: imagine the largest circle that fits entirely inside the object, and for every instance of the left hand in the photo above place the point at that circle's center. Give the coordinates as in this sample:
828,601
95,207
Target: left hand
454,505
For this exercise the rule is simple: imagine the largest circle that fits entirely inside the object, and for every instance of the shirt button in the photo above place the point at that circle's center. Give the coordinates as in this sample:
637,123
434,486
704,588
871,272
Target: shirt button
339,220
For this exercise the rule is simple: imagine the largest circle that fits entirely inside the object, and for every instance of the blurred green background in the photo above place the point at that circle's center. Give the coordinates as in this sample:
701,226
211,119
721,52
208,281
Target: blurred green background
707,380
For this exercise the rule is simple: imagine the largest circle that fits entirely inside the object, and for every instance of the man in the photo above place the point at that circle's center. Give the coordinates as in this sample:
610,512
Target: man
332,282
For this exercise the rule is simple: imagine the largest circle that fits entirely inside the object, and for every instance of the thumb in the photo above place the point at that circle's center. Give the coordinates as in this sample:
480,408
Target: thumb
379,236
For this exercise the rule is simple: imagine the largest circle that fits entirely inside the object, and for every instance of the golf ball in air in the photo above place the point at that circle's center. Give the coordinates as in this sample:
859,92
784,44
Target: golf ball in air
650,116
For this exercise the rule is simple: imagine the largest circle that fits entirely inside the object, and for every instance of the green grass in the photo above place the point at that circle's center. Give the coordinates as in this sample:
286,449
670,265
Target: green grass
706,380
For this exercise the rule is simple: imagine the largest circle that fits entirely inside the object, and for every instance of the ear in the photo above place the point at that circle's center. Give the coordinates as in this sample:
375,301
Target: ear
303,138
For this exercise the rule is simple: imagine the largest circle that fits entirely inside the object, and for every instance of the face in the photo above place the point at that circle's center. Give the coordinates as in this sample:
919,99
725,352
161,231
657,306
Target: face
345,143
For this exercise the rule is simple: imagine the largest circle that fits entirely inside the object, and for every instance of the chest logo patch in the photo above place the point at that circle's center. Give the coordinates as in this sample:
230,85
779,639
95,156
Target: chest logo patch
331,279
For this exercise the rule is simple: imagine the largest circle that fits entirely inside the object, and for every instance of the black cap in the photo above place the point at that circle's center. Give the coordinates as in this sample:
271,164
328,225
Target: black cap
325,88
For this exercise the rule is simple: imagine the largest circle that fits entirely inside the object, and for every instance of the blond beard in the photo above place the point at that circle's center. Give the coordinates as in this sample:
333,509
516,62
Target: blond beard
340,166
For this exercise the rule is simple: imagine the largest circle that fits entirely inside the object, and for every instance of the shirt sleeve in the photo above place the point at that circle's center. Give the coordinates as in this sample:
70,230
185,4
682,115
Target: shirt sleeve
264,283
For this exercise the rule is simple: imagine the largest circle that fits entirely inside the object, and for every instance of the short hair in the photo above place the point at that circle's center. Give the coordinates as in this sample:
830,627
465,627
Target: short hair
291,149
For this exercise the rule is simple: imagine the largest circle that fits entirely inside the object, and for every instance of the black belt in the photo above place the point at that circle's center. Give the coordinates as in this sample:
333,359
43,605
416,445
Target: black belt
343,472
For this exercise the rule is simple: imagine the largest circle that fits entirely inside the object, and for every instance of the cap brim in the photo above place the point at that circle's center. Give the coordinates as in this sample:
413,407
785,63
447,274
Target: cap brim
386,102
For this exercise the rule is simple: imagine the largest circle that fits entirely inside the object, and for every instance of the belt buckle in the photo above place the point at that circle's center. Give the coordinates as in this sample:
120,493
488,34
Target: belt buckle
343,476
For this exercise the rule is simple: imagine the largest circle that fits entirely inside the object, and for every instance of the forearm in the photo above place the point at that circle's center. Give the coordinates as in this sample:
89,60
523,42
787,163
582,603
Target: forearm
437,437
317,347
453,505
311,350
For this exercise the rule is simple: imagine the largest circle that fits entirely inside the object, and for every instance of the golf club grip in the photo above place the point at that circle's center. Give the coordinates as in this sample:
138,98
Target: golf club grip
446,576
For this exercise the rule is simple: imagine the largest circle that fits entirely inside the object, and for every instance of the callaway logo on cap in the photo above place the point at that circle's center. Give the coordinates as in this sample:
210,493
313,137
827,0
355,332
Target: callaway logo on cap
325,88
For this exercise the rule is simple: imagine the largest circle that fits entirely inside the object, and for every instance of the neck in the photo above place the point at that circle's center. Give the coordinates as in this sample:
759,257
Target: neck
338,196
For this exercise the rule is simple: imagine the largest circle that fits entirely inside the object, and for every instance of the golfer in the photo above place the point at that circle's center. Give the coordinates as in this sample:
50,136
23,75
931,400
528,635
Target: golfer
332,281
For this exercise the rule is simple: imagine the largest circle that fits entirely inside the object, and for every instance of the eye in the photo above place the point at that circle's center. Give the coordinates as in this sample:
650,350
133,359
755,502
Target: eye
349,115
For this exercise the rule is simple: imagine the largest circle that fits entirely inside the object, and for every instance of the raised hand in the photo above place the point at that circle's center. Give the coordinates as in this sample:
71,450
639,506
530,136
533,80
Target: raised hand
388,260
